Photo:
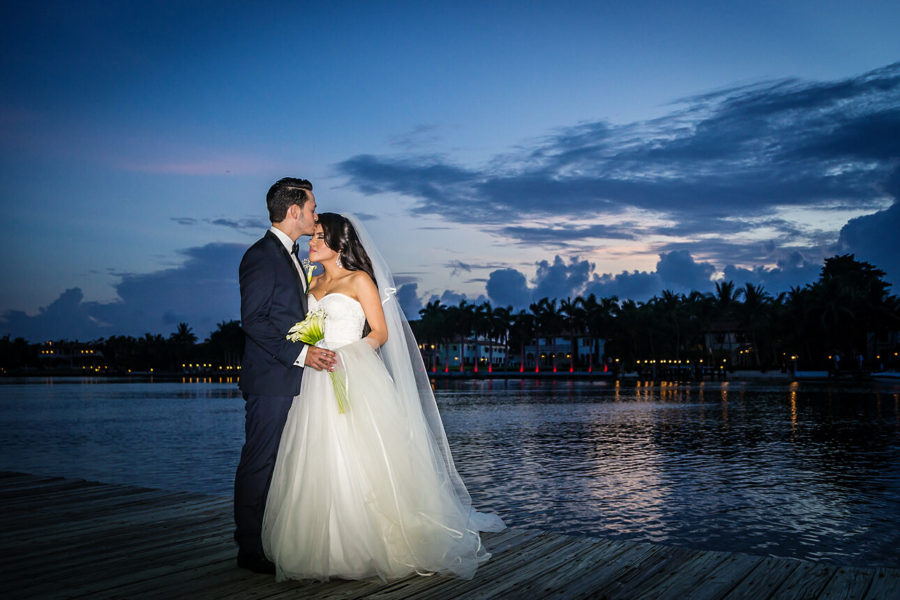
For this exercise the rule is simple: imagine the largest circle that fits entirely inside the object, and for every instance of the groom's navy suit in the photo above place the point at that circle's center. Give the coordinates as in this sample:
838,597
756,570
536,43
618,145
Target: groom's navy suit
272,301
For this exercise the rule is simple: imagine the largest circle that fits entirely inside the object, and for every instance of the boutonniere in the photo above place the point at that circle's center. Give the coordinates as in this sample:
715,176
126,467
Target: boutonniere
310,269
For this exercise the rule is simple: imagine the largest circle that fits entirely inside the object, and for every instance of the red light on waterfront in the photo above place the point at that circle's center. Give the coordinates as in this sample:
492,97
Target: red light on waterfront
572,369
490,368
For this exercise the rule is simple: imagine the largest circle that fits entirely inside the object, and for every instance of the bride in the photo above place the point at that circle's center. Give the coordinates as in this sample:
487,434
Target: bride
364,483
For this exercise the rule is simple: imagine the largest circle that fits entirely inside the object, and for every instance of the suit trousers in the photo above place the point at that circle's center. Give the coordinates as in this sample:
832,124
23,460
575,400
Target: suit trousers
265,418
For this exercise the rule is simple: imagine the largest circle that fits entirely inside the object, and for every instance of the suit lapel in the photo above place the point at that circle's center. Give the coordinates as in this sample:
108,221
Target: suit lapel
290,260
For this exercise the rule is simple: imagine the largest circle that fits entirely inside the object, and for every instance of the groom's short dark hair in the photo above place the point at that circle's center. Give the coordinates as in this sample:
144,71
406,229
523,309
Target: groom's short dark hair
284,193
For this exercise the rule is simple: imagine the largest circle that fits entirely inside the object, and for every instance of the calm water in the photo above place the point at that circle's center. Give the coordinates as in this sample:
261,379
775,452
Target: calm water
809,471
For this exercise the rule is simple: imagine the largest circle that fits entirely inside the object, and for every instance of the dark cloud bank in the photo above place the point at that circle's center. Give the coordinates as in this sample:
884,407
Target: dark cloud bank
202,292
719,165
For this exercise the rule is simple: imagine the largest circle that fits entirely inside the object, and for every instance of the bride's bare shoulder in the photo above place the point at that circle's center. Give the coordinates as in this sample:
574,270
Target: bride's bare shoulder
361,278
363,286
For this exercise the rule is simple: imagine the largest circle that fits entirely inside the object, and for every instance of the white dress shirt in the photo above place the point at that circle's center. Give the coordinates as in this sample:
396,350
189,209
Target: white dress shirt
289,246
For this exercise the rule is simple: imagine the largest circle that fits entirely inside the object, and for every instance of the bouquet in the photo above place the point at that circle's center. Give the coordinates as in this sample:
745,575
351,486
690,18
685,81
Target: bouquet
311,330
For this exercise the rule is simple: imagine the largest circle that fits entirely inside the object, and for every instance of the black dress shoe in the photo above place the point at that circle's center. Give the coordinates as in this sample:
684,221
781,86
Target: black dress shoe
256,563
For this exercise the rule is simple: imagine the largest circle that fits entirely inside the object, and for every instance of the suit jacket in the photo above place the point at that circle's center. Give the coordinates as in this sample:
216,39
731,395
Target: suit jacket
272,301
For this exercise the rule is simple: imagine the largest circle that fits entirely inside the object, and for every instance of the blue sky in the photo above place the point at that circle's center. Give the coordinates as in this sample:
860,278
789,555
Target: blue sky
503,151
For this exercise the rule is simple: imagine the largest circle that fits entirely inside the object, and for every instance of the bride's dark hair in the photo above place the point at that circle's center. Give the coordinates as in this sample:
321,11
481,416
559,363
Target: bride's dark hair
341,237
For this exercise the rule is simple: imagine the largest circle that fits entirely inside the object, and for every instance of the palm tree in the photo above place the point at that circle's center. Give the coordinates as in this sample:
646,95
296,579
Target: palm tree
500,322
522,331
434,327
481,326
600,318
460,319
726,300
753,315
669,307
183,335
574,317
548,322
226,343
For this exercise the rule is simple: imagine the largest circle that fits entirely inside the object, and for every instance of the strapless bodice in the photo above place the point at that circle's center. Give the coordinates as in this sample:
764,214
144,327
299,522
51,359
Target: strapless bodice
344,318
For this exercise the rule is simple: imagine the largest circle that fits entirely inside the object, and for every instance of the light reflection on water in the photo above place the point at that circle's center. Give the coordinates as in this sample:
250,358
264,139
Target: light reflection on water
804,470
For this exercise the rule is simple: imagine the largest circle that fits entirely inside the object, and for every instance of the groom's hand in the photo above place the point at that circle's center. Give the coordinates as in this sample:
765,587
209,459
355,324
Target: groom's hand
320,358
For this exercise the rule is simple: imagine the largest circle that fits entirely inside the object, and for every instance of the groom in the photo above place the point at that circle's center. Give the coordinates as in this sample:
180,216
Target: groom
273,298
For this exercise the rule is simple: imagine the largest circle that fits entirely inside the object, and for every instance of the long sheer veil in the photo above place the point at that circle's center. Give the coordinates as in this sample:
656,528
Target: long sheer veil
404,362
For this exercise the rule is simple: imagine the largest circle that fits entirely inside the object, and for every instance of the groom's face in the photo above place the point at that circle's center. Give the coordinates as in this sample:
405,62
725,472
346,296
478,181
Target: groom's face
306,219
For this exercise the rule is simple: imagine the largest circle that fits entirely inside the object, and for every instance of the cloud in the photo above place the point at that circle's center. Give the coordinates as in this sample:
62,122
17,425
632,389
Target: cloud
456,266
778,279
409,300
634,285
676,271
508,287
876,239
570,235
680,273
202,292
450,298
559,279
734,162
247,224
420,136
254,224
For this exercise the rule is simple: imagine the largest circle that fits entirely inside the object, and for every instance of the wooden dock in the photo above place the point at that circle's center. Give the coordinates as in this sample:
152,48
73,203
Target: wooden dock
68,538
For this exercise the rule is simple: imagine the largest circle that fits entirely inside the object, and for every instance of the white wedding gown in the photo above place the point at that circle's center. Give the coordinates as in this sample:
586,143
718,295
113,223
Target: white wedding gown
364,493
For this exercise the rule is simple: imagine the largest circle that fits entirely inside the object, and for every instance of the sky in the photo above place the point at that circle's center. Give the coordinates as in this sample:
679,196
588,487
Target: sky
502,151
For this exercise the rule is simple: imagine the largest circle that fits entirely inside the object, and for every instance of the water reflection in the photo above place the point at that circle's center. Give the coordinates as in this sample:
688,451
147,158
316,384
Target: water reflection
805,470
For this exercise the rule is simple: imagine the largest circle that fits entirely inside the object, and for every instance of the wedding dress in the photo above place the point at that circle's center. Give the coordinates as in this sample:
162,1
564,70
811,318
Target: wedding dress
371,491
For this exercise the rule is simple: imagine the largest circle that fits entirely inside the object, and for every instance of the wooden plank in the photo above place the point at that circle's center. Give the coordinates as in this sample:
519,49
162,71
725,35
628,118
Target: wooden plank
80,507
510,566
764,579
132,568
76,527
94,544
692,576
848,583
68,538
581,575
524,582
726,576
568,567
654,571
806,581
497,543
885,585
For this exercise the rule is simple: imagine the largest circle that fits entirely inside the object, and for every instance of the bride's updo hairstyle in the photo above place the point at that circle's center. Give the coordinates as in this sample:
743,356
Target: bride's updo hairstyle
341,237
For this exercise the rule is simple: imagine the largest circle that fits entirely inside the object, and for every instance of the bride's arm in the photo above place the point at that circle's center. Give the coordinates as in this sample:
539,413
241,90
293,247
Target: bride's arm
368,297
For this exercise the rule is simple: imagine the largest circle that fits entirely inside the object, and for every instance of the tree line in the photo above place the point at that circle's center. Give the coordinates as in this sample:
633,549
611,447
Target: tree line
848,311
180,352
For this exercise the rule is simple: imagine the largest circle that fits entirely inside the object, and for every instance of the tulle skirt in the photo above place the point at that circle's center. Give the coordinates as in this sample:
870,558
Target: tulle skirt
365,493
